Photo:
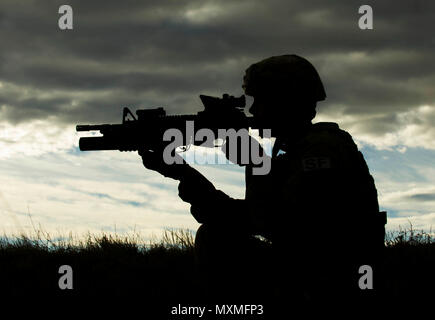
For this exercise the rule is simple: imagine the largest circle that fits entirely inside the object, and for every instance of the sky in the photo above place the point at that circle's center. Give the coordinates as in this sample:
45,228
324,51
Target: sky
380,87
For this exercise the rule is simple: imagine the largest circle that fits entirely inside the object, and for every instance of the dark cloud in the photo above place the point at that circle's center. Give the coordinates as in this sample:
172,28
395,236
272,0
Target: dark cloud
423,197
167,52
106,196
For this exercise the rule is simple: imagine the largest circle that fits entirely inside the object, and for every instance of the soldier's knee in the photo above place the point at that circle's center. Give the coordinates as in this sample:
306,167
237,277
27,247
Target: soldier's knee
214,241
207,245
206,237
200,236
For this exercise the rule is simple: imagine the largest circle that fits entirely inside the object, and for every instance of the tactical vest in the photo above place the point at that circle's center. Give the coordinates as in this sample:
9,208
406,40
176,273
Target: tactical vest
321,181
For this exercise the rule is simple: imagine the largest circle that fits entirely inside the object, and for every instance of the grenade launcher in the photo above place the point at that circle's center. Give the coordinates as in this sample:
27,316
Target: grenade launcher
147,128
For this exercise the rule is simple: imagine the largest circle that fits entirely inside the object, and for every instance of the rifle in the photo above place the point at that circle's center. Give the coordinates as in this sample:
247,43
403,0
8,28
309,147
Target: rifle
147,129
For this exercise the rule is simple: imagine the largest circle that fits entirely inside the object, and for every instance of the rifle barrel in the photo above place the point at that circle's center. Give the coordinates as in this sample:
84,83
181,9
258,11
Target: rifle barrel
92,127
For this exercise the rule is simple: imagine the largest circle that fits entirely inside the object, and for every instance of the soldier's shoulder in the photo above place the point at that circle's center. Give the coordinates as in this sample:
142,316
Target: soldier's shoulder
326,126
328,132
327,137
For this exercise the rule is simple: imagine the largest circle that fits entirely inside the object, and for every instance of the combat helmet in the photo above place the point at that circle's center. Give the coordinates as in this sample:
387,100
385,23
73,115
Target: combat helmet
289,74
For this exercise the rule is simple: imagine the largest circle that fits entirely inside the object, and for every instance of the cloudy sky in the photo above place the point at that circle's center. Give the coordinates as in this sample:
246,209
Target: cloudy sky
380,85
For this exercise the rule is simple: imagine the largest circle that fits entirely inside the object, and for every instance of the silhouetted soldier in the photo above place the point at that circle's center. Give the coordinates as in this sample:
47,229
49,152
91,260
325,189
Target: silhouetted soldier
317,208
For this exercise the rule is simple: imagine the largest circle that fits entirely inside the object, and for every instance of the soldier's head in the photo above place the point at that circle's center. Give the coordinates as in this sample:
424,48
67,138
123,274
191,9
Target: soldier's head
286,90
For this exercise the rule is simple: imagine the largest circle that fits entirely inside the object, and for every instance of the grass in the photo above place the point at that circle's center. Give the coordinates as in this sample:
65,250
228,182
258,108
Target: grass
111,265
164,269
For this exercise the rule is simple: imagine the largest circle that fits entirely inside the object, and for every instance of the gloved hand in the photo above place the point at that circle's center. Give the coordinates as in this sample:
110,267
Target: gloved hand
193,188
153,160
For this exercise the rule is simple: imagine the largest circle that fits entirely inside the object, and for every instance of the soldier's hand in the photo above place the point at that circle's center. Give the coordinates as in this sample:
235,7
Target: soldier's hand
193,187
153,160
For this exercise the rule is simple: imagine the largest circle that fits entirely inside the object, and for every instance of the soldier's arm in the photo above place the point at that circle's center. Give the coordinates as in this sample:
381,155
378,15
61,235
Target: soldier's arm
210,205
